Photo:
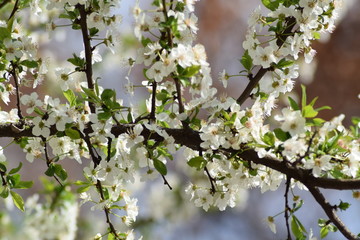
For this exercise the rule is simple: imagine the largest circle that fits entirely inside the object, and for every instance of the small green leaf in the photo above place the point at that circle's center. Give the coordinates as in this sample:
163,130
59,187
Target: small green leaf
197,162
309,112
293,104
50,171
344,205
72,133
18,200
29,64
15,170
3,167
269,138
4,33
189,71
324,232
83,189
283,63
71,97
303,93
24,185
104,115
160,166
60,172
107,94
247,61
5,192
281,135
272,5
297,228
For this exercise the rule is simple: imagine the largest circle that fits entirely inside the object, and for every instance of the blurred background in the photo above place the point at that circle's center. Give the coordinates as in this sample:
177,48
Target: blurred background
167,215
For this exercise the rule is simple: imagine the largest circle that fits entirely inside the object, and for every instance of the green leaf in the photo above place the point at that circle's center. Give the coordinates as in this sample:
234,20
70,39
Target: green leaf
4,33
269,138
60,172
77,61
281,135
107,94
324,232
283,63
297,228
50,171
160,166
15,170
246,61
190,71
18,200
3,167
344,205
83,189
309,112
303,93
272,5
29,64
293,104
197,162
72,133
5,192
71,97
104,115
24,185
91,94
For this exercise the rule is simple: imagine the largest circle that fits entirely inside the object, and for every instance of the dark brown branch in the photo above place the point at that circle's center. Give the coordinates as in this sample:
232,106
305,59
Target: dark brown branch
16,81
253,81
4,3
330,212
191,139
107,211
166,182
16,7
287,208
48,161
88,50
153,101
251,85
211,180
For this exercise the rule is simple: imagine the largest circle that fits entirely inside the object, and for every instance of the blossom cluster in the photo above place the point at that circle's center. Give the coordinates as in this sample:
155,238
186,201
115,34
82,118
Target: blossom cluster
119,143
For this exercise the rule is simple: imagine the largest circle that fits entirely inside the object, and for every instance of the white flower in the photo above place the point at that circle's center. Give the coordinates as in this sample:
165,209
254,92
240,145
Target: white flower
13,49
31,102
271,224
41,127
294,123
264,56
2,156
95,20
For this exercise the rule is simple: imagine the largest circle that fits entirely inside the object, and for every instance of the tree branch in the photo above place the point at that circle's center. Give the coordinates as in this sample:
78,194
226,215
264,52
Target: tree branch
191,139
88,50
330,212
281,38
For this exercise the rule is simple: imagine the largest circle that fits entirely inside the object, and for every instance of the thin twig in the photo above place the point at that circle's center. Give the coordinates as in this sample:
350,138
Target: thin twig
88,50
211,179
107,211
287,208
153,102
166,182
331,213
16,81
4,3
253,81
48,161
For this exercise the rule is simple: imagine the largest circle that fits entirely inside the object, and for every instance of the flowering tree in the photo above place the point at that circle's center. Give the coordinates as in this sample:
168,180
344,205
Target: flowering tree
234,147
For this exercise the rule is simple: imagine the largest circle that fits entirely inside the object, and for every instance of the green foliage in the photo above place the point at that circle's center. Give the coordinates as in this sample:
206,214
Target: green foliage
246,61
197,162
